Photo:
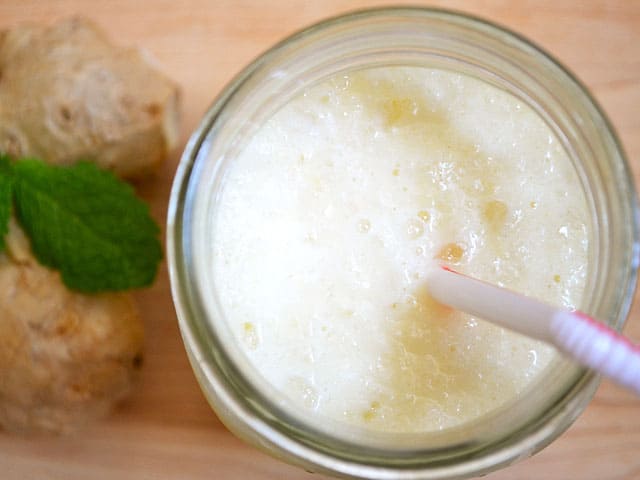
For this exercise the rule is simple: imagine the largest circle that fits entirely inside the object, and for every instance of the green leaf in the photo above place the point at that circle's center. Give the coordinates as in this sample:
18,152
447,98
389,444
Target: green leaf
88,224
6,181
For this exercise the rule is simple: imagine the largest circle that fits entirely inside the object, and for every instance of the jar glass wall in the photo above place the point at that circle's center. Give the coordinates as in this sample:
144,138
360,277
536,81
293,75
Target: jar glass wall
379,38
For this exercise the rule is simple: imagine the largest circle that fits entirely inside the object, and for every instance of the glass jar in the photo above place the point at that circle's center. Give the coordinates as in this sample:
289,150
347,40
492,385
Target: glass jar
375,38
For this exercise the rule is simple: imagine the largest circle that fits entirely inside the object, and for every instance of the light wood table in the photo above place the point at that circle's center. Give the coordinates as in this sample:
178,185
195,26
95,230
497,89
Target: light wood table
166,430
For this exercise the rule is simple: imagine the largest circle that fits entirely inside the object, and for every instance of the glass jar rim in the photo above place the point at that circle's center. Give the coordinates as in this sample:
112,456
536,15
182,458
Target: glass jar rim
186,294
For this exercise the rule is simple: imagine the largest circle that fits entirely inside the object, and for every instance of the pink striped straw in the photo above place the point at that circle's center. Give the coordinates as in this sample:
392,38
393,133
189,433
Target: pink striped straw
583,338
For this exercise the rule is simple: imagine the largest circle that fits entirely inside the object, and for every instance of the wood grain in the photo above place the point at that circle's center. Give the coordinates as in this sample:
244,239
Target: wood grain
166,430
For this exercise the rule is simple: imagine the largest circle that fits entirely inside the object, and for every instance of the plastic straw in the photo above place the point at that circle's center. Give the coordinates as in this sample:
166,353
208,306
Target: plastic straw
590,342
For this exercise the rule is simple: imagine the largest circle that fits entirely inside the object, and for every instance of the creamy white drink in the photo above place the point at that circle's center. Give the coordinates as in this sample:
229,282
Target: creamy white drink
331,214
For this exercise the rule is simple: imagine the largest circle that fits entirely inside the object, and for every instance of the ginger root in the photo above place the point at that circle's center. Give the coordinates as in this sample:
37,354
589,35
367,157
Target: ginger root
65,357
68,94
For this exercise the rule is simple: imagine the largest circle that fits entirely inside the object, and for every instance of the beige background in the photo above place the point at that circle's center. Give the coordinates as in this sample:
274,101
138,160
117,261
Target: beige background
166,430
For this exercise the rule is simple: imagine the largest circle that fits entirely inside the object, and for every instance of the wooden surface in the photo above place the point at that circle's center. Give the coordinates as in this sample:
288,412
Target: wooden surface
166,430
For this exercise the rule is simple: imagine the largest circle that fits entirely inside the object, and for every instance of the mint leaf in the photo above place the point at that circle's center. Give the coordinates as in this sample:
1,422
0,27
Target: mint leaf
88,224
6,181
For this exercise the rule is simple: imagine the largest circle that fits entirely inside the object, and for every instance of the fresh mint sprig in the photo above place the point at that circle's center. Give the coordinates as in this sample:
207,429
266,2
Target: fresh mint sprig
6,182
82,221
